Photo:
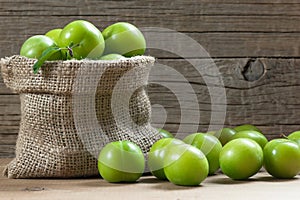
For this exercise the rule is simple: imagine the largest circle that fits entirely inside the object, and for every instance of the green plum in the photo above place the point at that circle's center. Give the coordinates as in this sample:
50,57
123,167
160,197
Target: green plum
282,158
211,132
157,155
241,158
209,145
254,135
224,135
185,165
34,46
121,161
82,40
112,56
165,133
54,34
295,136
246,127
125,39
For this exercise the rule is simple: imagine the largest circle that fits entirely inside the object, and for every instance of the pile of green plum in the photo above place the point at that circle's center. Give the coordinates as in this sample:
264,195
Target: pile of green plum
81,39
238,152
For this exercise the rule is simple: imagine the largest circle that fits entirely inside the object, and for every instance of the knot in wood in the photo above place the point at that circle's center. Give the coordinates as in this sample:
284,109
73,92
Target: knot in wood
253,70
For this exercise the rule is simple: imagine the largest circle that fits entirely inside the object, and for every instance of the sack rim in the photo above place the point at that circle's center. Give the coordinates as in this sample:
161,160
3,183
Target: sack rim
58,76
131,61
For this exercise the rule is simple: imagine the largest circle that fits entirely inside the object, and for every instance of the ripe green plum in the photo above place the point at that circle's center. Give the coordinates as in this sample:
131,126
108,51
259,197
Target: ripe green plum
282,158
246,127
112,56
185,165
251,134
241,158
121,161
295,136
224,135
165,133
34,46
157,155
54,34
125,39
82,40
209,145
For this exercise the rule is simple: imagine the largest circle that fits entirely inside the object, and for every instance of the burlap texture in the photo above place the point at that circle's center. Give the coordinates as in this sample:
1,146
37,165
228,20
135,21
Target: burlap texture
71,109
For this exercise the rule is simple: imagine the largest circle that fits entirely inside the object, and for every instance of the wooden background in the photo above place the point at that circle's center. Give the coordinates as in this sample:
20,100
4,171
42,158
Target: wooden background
254,43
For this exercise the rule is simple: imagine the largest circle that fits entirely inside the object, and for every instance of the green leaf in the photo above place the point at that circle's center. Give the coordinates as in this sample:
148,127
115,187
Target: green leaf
47,53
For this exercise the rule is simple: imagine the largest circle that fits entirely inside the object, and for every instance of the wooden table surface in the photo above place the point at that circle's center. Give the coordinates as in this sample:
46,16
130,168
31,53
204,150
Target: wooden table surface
261,186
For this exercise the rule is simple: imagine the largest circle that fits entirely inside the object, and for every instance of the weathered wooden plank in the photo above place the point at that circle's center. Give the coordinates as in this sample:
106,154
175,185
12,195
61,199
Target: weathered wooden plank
250,1
8,139
9,129
9,99
7,151
234,45
216,44
10,109
3,88
9,123
135,8
8,120
255,114
279,72
196,23
269,102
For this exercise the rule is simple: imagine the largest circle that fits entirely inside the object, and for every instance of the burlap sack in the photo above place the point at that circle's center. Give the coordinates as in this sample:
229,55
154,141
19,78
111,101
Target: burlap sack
71,109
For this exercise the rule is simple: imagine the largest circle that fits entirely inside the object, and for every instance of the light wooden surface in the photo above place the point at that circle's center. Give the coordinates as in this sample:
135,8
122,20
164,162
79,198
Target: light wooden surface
260,186
242,36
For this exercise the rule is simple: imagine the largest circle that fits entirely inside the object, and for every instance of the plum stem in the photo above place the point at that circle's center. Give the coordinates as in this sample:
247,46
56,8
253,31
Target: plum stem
283,135
70,49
